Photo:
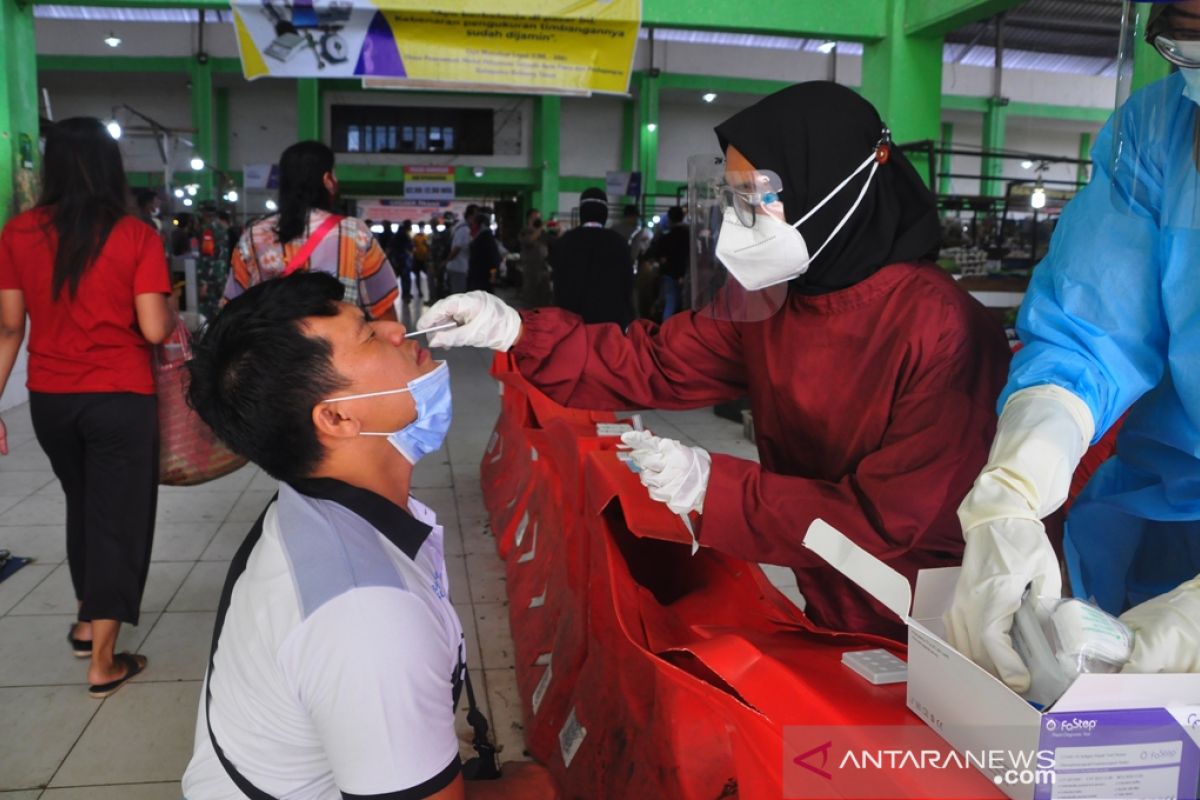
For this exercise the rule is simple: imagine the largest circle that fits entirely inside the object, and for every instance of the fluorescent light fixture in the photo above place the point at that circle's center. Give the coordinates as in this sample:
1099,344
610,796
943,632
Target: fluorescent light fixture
114,129
477,172
187,201
1038,198
112,40
415,229
197,163
192,189
271,205
232,196
709,97
826,47
377,228
179,193
652,127
1026,164
441,228
428,229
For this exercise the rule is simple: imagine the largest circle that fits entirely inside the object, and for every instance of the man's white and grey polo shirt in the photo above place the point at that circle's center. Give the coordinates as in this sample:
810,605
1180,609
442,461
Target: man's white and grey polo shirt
338,668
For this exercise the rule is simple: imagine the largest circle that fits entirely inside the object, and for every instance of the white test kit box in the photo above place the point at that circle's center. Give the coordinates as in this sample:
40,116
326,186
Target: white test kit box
1109,736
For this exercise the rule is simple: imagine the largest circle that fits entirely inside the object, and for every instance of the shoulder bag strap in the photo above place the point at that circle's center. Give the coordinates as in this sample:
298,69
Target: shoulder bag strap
303,254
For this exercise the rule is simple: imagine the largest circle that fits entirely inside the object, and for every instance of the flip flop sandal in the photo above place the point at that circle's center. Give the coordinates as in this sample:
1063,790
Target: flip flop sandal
102,690
82,648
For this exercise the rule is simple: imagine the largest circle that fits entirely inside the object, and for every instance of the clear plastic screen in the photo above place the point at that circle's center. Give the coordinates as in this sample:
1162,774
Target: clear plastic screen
711,193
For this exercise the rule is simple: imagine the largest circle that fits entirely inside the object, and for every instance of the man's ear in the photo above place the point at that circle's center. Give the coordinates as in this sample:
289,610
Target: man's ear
332,422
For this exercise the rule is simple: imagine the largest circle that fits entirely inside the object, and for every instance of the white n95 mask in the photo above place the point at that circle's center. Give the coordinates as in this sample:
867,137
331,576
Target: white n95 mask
770,251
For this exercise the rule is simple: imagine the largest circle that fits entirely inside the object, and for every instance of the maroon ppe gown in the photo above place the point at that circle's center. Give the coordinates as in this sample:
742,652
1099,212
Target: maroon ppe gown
874,408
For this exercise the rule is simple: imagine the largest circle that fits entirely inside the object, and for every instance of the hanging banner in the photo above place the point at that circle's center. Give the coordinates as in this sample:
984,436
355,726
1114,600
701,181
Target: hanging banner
429,183
551,46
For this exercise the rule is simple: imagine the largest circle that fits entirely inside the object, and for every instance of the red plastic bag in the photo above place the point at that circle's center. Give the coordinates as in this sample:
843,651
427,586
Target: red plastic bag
190,452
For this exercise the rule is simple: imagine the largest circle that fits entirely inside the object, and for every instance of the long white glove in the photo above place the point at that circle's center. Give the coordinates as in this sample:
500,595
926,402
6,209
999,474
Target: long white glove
1041,437
484,321
674,473
1166,631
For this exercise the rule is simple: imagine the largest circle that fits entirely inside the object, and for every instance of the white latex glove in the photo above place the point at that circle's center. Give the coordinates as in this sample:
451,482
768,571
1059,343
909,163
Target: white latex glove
1166,631
1040,439
484,321
674,473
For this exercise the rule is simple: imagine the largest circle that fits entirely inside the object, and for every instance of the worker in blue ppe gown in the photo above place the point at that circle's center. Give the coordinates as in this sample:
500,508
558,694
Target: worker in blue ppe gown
1111,323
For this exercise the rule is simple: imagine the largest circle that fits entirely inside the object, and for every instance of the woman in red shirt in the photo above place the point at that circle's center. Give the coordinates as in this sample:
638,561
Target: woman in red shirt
873,382
93,280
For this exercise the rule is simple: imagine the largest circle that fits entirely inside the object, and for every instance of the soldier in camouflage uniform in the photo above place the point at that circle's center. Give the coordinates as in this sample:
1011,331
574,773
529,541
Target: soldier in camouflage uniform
212,262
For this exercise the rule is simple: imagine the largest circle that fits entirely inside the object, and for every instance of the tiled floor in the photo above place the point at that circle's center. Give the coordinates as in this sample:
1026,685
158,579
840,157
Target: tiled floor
56,743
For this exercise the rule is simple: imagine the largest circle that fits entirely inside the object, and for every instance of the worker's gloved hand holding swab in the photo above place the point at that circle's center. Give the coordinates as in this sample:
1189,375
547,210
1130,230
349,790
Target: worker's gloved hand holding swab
674,473
483,320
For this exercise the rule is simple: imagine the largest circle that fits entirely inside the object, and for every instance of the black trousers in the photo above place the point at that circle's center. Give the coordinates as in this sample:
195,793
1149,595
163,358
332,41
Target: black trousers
103,448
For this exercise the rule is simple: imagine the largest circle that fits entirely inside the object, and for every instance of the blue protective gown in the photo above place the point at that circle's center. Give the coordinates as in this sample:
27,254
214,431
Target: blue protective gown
1113,315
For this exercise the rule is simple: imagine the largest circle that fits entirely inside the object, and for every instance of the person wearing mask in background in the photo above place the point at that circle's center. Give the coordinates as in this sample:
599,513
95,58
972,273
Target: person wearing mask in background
645,284
590,266
443,232
212,260
400,253
535,279
672,252
459,257
420,262
93,280
1109,326
483,259
345,246
631,229
149,208
526,237
338,660
871,374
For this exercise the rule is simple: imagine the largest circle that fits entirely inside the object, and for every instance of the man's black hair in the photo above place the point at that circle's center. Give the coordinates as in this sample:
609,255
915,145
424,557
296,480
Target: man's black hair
631,211
675,215
255,374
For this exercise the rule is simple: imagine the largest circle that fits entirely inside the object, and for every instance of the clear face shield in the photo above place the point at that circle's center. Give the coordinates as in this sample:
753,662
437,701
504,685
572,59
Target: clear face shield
714,194
1155,160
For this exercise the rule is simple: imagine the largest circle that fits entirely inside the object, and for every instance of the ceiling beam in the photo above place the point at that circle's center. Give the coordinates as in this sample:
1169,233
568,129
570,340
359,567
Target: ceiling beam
939,17
844,20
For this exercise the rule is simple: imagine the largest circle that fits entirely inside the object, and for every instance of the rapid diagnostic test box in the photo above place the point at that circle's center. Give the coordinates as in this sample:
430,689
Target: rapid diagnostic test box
1109,736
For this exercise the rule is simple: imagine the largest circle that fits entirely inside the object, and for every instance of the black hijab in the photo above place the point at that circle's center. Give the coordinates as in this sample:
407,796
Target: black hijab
813,135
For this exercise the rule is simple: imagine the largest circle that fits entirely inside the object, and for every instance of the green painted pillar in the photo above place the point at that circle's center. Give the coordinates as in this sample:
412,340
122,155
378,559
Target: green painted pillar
1148,65
222,122
648,134
1085,152
202,122
995,120
945,182
902,76
19,152
308,109
547,119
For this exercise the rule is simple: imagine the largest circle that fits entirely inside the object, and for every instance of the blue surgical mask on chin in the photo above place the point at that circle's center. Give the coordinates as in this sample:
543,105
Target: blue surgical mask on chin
425,434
